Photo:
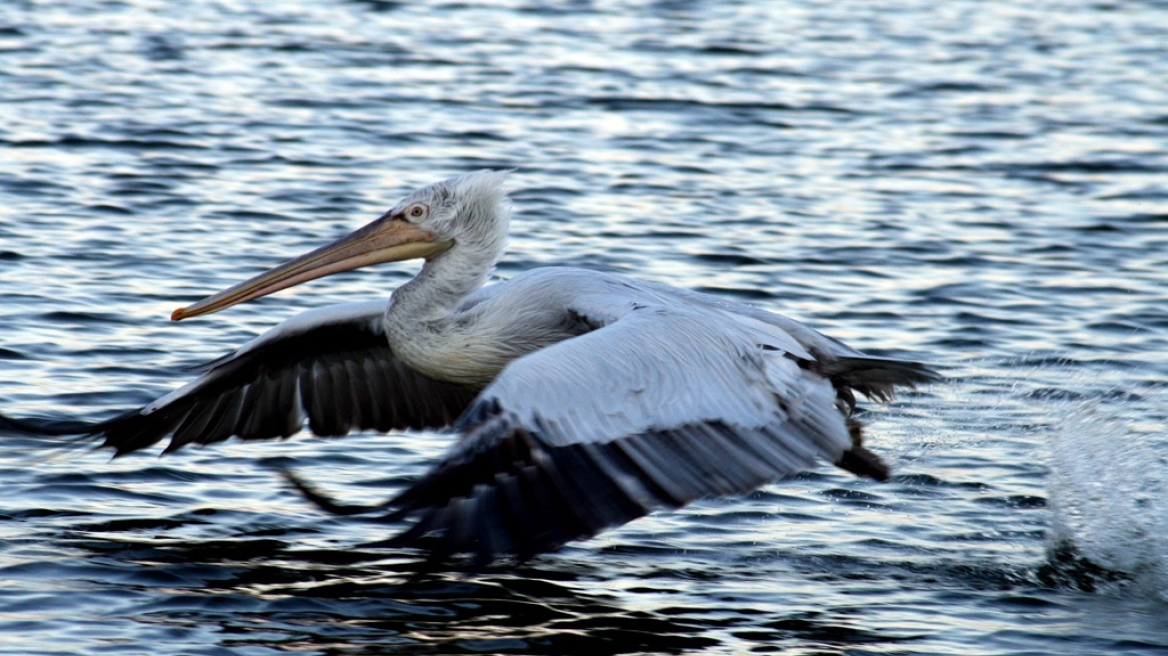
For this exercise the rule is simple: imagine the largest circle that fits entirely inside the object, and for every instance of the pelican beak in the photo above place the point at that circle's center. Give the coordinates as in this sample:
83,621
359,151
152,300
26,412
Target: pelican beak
388,239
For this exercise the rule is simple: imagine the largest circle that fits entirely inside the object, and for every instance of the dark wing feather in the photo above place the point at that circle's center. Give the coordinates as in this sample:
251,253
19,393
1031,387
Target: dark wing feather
333,366
657,409
525,497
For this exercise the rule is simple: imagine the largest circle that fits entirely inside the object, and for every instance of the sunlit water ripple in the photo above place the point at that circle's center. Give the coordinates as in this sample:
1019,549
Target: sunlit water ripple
978,185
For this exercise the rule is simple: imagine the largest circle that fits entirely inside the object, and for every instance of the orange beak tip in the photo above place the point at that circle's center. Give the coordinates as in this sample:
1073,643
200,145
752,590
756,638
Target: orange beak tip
177,314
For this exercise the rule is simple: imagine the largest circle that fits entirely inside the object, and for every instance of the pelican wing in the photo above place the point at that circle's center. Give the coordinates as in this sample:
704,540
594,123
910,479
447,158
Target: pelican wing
659,407
333,366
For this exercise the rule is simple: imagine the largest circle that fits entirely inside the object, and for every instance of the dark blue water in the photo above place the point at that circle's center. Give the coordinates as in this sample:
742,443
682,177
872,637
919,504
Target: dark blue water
981,185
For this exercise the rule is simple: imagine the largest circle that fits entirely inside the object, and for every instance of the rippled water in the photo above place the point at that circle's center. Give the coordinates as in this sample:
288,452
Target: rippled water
980,185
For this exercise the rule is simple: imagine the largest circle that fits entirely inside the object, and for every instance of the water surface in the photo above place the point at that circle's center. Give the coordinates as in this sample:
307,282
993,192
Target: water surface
977,185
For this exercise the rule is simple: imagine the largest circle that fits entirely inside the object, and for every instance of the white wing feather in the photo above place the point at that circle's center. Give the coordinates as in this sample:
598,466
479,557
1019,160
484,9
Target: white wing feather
662,404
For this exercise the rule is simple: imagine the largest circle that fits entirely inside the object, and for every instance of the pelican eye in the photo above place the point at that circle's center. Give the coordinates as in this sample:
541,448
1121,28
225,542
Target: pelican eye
415,212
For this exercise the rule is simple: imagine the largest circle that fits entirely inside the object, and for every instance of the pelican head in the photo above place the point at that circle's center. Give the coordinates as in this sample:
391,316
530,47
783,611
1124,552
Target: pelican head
468,211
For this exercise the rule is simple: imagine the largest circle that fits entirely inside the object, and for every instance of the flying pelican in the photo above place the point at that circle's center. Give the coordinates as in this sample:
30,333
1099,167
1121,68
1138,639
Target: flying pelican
584,399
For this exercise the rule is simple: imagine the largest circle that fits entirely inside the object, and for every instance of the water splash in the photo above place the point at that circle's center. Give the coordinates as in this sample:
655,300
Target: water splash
1108,491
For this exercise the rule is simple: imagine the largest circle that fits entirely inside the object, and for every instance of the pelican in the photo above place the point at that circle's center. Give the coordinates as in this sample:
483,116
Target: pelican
582,400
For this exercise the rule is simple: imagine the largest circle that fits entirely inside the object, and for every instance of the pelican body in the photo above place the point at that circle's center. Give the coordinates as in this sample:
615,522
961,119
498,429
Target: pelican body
582,399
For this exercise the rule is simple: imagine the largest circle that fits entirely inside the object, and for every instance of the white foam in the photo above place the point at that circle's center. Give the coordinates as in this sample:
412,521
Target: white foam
1108,494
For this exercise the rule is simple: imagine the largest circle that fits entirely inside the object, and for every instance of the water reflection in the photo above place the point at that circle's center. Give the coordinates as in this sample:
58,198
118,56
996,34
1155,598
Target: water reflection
270,593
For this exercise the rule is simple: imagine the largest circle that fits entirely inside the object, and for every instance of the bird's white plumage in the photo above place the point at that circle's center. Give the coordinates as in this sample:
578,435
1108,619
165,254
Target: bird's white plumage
651,363
584,399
